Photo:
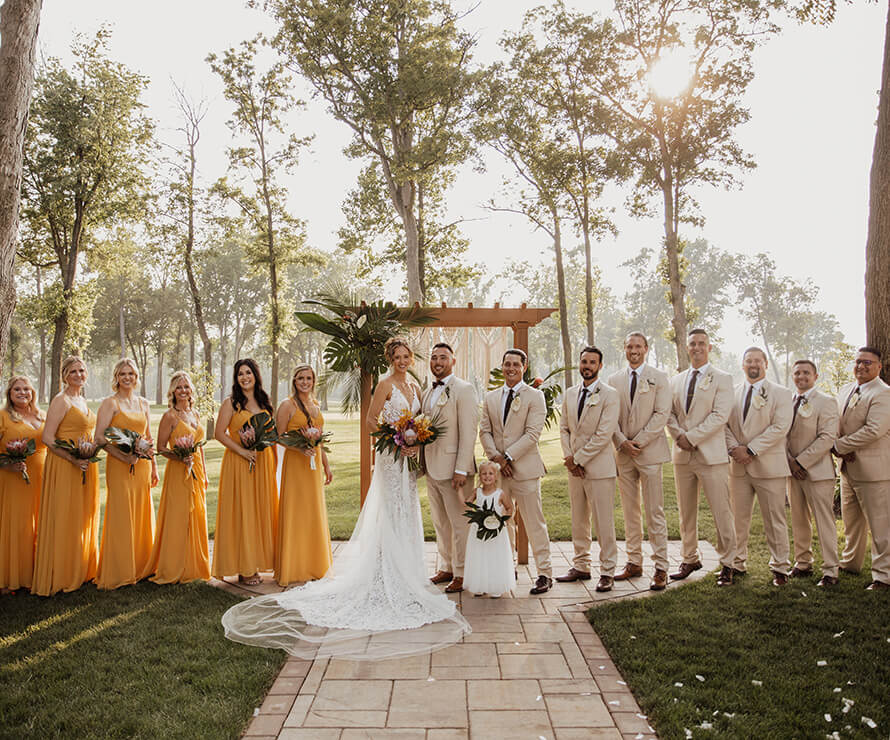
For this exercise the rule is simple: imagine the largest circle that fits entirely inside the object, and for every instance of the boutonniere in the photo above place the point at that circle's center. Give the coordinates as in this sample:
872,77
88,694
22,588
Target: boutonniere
759,401
805,411
706,383
594,397
516,404
853,401
644,388
444,396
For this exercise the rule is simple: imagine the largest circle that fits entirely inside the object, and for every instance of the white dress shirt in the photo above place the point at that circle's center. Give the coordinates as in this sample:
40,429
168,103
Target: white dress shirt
439,390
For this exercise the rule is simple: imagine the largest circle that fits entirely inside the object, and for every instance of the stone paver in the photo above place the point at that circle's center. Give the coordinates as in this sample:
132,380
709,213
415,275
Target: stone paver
532,668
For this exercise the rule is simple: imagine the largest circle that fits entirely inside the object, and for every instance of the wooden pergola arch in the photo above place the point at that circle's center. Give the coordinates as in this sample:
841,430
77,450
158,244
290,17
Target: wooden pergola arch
520,320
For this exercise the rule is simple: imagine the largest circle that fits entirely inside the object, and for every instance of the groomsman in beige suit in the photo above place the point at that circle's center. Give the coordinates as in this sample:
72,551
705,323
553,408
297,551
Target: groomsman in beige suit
814,420
447,462
512,420
701,400
588,422
755,439
863,444
641,448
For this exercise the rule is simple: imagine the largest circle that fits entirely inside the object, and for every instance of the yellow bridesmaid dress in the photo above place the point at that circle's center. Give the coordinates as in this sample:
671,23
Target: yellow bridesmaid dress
128,527
247,512
68,520
180,552
19,502
304,540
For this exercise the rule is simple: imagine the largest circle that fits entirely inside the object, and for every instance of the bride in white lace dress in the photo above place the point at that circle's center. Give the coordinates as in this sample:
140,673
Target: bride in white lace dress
376,601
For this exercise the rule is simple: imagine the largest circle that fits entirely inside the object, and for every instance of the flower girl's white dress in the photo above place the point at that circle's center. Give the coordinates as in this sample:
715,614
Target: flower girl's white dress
488,566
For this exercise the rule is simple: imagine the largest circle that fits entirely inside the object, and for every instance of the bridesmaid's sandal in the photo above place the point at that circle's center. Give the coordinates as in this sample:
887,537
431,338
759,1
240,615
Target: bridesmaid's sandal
255,580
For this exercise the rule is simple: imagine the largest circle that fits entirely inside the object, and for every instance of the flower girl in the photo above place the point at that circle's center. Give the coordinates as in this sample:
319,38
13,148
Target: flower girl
488,567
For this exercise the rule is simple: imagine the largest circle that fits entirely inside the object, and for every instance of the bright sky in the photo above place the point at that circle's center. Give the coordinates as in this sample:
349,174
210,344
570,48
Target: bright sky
813,105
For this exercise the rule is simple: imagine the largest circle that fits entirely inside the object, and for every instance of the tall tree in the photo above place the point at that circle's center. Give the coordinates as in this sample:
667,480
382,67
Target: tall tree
19,20
87,143
675,75
261,100
395,72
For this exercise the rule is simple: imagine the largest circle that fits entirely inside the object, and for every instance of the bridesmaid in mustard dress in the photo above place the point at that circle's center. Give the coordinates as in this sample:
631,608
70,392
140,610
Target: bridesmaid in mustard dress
128,527
68,520
304,540
247,513
21,419
181,553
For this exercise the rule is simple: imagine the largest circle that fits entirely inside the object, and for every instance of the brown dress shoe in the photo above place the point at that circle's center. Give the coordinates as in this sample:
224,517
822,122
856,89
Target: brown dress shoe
443,576
725,576
573,575
685,569
659,580
801,572
542,585
779,579
878,586
604,584
456,586
631,570
827,581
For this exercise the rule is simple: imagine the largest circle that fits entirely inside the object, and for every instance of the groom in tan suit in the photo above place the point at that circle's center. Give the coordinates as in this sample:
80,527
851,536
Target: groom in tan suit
641,447
755,439
701,400
448,461
863,444
512,419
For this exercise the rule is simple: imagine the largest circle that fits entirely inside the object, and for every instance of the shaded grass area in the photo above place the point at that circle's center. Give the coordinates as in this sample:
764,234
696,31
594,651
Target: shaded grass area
755,632
140,661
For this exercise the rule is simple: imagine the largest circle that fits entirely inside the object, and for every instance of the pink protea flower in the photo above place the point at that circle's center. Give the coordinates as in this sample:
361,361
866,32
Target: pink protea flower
17,447
86,448
248,436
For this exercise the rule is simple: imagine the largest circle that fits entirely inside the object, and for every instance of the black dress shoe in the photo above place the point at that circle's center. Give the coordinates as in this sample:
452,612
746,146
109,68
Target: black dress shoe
725,576
573,575
736,573
685,569
542,585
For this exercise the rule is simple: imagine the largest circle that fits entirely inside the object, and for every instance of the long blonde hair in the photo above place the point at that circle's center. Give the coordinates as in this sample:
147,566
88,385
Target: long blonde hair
66,366
120,365
171,390
295,395
10,406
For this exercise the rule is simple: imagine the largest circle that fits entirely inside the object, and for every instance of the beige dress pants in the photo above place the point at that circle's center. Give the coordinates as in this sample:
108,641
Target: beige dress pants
770,493
526,496
714,480
593,499
865,505
447,508
816,498
638,482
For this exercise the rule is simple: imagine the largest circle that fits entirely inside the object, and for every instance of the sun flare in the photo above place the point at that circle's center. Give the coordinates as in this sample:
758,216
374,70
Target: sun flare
670,75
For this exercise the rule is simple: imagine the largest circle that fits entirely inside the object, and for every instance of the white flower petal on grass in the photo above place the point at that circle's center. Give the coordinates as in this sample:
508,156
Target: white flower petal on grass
869,721
803,593
699,677
688,732
827,717
847,704
729,715
838,634
756,682
821,662
836,690
678,685
706,725
633,637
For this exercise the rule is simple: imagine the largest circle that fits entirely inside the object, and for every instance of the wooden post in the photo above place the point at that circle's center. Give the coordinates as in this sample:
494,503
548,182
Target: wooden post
364,438
520,341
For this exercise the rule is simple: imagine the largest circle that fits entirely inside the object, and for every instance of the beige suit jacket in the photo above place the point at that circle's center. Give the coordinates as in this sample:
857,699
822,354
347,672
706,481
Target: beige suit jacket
812,435
518,438
456,409
643,421
865,430
708,414
588,440
764,431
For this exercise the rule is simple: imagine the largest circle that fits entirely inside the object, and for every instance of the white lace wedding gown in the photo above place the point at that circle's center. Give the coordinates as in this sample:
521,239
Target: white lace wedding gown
376,601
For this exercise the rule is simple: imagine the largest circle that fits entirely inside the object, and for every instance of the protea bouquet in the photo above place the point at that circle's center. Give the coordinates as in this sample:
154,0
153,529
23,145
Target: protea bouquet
258,433
130,443
306,439
184,449
19,450
408,430
488,522
83,449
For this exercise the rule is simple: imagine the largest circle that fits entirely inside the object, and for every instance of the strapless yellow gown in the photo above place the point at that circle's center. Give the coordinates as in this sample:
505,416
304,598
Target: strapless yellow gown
180,552
68,520
304,540
128,528
247,512
19,502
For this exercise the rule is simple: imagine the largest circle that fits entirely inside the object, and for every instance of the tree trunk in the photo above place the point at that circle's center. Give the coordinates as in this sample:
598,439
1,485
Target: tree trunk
222,367
59,331
563,305
122,328
19,20
402,197
159,385
877,249
588,277
675,284
41,375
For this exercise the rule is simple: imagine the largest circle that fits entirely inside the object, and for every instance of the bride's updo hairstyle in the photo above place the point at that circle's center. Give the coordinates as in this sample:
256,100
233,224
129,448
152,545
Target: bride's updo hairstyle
392,344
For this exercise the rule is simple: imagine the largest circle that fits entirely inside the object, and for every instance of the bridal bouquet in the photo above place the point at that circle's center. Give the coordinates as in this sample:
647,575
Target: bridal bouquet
258,433
408,430
130,443
83,449
19,450
488,522
184,448
306,439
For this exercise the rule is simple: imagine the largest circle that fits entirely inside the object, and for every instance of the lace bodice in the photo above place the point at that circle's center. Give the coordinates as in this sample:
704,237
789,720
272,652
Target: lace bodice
396,404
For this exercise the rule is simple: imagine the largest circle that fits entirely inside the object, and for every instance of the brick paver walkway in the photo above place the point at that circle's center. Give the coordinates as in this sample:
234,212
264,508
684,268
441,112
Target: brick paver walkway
532,668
